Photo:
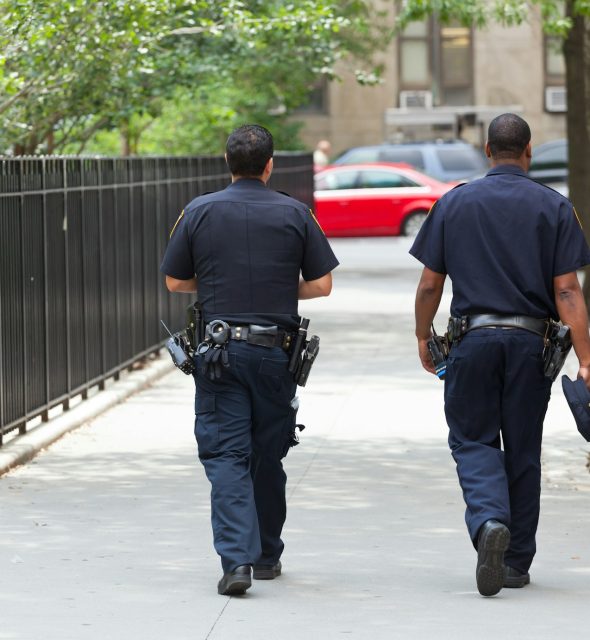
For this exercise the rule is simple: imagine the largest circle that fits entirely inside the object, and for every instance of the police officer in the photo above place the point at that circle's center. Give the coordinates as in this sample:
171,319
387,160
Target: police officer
511,248
244,249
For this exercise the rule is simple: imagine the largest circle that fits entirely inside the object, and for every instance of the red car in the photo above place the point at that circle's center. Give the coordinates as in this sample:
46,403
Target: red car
374,199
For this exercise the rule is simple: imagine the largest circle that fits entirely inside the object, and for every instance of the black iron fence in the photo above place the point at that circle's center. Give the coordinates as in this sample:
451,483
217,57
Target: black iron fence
81,240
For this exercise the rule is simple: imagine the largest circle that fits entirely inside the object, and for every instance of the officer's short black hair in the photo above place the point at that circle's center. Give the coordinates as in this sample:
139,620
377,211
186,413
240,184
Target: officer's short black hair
508,136
248,149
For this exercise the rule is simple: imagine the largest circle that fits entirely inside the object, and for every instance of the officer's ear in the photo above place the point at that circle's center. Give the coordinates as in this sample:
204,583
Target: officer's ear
267,171
529,151
488,150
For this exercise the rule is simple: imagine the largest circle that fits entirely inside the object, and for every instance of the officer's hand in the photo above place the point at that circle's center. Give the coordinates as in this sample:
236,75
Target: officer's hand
584,373
425,358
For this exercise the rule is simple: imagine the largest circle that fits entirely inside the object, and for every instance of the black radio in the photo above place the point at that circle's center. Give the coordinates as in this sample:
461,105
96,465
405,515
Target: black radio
180,350
438,347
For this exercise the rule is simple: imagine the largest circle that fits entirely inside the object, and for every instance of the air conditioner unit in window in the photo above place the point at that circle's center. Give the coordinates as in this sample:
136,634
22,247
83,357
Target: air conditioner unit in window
556,99
415,99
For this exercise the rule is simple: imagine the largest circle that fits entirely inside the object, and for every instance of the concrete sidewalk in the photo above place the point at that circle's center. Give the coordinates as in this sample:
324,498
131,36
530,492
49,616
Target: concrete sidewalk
106,535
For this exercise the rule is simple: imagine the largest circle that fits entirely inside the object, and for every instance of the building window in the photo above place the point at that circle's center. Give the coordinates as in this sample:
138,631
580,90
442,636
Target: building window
437,58
415,57
554,60
317,99
555,91
456,65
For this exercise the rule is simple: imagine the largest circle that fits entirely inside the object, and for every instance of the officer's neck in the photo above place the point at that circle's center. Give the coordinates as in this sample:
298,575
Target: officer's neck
515,163
236,178
523,161
264,177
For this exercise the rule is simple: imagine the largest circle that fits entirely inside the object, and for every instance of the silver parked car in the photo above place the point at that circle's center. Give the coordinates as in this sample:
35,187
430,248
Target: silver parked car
446,161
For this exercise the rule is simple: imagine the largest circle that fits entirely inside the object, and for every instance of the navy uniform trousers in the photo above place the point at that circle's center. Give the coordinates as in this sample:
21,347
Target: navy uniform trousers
496,397
243,426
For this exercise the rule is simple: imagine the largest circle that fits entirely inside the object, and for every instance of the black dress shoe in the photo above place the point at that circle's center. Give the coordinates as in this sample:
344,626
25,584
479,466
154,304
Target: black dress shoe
492,541
515,579
235,582
267,571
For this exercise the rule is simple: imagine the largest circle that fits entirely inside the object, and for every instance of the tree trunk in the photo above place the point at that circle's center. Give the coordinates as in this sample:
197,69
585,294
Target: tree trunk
50,143
125,139
577,52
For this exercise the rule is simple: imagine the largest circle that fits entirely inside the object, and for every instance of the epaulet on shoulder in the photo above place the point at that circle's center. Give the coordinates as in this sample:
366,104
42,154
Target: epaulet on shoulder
207,193
542,184
461,184
284,193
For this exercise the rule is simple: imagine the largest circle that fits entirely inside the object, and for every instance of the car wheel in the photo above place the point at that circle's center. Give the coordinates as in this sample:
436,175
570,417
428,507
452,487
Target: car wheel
413,222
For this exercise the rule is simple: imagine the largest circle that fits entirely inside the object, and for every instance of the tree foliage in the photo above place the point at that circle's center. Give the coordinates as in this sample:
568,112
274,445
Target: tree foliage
480,12
69,68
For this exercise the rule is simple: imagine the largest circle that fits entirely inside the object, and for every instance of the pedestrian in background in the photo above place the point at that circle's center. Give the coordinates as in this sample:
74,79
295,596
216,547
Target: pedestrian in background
511,248
245,249
321,155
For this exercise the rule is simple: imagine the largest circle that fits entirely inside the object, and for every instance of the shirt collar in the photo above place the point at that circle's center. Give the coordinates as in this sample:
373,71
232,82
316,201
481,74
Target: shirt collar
244,183
507,168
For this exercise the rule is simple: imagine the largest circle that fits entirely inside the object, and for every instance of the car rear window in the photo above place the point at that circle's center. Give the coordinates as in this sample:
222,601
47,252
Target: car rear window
460,160
550,158
383,180
360,155
336,180
411,156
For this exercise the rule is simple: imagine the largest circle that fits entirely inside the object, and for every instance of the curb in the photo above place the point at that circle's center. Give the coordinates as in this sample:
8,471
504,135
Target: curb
24,448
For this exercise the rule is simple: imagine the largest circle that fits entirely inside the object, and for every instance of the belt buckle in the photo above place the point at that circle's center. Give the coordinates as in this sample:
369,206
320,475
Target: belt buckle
259,330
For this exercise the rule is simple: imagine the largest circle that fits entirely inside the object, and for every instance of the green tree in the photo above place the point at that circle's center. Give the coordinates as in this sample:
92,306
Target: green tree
70,68
569,19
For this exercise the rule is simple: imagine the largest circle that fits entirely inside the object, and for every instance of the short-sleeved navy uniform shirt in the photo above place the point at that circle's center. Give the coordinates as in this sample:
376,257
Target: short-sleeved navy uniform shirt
502,239
247,246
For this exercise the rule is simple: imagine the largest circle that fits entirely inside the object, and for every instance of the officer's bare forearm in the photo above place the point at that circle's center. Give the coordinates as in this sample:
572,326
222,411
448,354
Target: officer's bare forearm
428,295
181,286
315,288
572,311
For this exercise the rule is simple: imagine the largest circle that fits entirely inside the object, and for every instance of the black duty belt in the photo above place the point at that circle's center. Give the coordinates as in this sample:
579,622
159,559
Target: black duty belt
262,336
489,320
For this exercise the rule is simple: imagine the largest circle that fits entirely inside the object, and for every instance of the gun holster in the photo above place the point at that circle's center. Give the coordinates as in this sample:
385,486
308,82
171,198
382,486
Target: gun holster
456,329
558,344
303,354
305,363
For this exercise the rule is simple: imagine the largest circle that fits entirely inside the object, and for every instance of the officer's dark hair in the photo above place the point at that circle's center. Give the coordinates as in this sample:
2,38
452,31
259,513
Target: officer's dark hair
508,136
248,149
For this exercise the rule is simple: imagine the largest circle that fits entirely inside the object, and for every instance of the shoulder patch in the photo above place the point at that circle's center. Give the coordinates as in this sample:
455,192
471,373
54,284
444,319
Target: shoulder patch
316,221
431,210
177,221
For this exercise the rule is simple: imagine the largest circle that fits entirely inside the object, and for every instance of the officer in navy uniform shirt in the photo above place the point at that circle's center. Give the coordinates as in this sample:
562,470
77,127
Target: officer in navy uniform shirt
511,248
244,248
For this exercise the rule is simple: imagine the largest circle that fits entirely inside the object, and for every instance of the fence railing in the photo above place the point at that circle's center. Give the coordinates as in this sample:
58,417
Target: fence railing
81,241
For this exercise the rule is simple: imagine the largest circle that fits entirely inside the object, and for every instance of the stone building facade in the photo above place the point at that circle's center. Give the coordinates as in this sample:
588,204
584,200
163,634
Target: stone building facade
445,82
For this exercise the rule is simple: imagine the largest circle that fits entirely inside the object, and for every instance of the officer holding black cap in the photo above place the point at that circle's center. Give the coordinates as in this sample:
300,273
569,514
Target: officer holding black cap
511,248
245,248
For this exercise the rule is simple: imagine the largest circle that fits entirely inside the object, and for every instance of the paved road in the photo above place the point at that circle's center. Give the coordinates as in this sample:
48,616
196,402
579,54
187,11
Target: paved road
106,534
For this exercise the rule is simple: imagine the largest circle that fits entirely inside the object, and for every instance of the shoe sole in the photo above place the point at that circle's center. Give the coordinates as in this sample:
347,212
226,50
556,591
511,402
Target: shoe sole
266,574
490,561
237,587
